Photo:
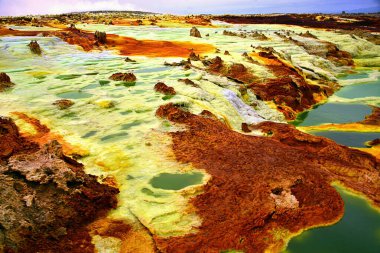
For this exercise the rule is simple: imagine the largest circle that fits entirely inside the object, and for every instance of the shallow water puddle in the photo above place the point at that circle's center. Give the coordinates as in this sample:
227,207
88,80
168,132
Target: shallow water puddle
168,181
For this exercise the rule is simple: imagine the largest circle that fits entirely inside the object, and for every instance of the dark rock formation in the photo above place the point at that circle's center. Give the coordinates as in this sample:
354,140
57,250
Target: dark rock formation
34,47
177,64
252,34
373,143
129,60
101,37
187,81
5,81
373,118
126,77
46,198
63,103
164,89
195,32
194,57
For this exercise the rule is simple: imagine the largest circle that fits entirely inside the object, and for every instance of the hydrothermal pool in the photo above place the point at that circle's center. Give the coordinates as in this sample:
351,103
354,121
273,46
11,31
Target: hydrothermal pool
347,138
169,181
333,113
371,89
357,231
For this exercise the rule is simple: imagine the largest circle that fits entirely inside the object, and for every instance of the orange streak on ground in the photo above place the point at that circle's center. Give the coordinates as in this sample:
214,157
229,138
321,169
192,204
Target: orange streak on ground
264,61
356,127
5,31
44,135
156,48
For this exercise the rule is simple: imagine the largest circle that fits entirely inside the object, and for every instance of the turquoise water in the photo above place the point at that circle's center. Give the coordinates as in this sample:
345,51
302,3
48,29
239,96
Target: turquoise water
351,139
357,232
359,75
371,89
169,181
333,113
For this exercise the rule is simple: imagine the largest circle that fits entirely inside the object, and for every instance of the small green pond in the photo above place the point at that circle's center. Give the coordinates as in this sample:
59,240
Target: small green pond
357,232
168,181
351,139
74,95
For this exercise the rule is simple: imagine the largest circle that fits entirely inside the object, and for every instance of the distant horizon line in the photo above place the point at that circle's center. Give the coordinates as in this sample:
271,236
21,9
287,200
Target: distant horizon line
233,14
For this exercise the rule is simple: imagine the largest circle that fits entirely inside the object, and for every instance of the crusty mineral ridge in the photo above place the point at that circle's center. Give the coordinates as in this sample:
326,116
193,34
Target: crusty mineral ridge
288,90
164,89
5,81
46,198
195,32
126,77
63,103
35,47
263,189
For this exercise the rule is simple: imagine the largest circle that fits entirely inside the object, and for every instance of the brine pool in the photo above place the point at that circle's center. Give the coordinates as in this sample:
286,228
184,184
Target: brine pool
352,103
359,229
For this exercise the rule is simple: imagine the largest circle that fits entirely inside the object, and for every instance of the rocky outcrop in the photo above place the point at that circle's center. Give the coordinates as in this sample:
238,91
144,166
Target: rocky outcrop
35,47
5,82
101,37
46,198
187,81
194,57
164,89
194,32
253,34
125,77
263,189
63,103
129,60
373,118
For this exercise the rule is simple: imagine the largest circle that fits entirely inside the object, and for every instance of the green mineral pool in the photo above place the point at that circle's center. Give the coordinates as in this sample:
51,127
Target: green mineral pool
371,89
357,232
168,181
333,113
74,95
351,139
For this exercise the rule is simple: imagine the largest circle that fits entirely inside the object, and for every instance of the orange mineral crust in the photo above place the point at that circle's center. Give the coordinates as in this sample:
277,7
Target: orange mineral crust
263,189
290,91
125,45
44,135
156,48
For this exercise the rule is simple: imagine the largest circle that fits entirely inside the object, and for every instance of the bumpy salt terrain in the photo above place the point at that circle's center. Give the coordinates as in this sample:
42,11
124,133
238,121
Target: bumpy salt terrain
112,127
